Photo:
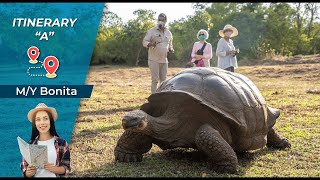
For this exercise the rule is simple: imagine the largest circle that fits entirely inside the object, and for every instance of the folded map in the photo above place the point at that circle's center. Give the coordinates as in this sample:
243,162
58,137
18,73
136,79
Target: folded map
36,155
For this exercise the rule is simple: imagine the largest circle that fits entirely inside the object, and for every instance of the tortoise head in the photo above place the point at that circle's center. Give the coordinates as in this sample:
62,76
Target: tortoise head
273,115
134,120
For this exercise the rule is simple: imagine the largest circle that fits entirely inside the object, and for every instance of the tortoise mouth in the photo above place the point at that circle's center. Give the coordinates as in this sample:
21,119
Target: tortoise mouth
134,124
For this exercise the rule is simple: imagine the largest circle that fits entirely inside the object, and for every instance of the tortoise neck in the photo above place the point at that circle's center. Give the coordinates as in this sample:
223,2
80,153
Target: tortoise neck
158,126
148,129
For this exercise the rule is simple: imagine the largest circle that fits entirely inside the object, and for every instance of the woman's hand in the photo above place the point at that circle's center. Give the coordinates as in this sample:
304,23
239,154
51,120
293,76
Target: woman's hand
231,52
31,170
50,167
198,57
54,169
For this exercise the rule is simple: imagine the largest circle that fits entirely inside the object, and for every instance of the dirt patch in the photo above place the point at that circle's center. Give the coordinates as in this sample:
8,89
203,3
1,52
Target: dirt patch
306,72
312,59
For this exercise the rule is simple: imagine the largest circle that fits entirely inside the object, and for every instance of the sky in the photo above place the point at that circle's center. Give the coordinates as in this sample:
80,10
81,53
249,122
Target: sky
174,11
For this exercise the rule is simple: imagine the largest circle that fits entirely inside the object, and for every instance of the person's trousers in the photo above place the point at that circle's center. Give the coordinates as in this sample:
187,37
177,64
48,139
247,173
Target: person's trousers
231,68
158,72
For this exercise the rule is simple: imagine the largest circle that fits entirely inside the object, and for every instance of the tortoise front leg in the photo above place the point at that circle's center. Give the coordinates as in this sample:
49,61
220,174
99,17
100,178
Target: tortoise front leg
275,140
131,146
222,156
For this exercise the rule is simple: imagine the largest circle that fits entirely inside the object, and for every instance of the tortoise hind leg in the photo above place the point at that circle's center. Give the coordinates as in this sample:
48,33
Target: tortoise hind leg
131,146
222,156
275,140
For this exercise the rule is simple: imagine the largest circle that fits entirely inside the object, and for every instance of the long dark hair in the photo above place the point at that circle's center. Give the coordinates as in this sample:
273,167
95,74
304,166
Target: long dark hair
35,131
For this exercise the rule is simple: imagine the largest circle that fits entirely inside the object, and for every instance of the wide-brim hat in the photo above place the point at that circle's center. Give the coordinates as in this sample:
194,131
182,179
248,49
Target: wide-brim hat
228,26
42,107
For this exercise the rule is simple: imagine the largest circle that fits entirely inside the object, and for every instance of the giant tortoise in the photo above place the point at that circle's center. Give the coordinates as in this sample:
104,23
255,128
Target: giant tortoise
217,112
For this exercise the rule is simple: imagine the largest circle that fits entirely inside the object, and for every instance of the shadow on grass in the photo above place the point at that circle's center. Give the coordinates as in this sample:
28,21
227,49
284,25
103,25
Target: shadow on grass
245,159
108,111
172,163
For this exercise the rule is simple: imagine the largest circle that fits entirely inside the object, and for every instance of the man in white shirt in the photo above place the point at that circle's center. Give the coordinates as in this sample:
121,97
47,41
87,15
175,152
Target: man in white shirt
159,42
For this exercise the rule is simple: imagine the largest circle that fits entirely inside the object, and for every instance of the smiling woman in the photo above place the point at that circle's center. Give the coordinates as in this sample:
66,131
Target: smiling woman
44,132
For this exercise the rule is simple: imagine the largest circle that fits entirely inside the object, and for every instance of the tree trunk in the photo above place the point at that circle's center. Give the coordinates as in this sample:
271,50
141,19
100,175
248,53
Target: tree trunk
314,44
312,7
138,55
299,18
299,21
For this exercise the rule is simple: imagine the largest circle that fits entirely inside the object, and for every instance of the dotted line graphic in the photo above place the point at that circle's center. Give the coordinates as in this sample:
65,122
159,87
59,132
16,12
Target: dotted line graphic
35,75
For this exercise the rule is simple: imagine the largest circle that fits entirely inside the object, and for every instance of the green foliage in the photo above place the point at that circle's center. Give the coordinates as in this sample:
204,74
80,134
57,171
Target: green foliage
134,32
252,27
265,31
279,26
119,43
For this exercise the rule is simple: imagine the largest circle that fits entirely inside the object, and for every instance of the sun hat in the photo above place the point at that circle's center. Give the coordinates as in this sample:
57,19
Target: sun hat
41,107
228,26
206,34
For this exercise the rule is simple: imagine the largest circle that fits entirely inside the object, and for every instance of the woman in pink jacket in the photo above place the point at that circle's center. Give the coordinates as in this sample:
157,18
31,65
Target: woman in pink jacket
202,50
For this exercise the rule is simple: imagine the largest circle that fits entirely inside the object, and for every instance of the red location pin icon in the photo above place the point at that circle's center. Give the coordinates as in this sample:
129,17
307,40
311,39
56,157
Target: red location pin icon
33,53
51,69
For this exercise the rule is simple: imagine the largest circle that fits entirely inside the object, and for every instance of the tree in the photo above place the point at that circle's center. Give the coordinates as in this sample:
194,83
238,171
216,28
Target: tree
312,8
134,31
109,18
107,50
280,34
251,23
315,38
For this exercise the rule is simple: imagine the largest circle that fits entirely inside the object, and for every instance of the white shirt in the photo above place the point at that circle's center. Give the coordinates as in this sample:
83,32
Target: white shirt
224,60
163,42
52,157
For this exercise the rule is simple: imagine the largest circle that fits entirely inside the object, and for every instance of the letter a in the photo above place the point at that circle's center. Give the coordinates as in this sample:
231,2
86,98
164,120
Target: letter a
44,36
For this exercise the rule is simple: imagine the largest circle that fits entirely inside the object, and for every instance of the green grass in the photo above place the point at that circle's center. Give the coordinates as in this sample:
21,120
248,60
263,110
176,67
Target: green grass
294,89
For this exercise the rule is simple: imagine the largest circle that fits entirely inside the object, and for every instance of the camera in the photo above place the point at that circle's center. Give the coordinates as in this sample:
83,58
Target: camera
237,52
